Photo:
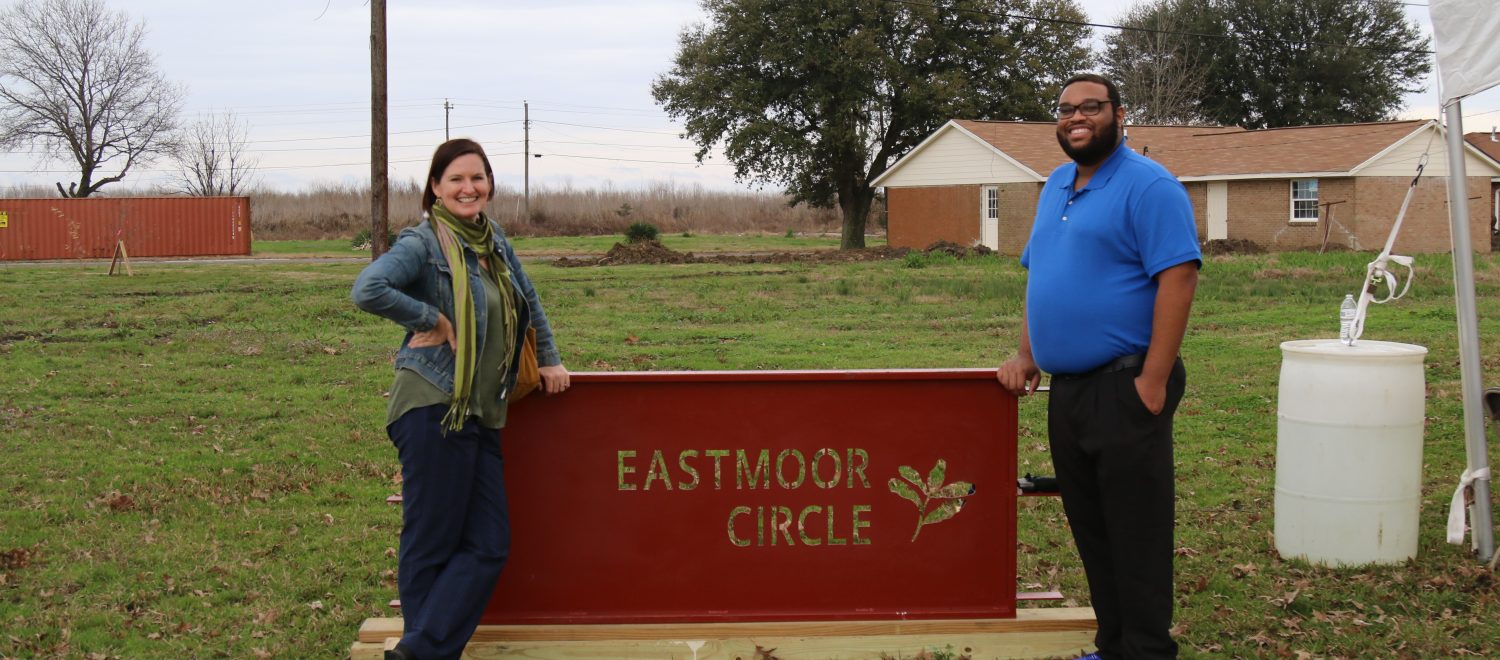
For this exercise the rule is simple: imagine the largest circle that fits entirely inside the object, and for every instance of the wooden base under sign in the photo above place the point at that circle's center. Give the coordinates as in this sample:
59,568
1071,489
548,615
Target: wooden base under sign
1064,632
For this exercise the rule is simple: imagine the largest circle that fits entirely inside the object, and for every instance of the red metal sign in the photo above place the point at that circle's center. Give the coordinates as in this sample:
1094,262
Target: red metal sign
761,496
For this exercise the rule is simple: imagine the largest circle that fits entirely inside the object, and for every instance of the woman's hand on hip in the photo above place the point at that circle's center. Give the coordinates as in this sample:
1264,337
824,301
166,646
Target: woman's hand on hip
441,333
554,378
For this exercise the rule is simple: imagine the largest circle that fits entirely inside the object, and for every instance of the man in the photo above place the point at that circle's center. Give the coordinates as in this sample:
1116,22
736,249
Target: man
1113,262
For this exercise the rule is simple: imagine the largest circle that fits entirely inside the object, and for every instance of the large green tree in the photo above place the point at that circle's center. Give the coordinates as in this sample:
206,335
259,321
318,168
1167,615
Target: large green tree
1269,63
821,96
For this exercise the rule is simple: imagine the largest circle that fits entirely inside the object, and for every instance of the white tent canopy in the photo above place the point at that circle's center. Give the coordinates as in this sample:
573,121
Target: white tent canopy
1464,33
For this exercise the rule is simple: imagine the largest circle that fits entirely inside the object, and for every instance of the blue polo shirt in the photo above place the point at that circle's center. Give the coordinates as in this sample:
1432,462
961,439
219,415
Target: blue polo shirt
1093,256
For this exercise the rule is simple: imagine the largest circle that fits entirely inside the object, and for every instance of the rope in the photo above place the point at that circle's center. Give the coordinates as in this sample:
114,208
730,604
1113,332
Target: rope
1378,271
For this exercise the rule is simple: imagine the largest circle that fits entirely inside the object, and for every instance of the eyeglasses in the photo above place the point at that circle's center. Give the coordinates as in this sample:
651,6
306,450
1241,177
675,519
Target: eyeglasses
1088,108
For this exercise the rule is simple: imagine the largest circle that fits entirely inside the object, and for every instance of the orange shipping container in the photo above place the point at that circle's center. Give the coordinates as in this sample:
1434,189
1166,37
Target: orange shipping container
150,226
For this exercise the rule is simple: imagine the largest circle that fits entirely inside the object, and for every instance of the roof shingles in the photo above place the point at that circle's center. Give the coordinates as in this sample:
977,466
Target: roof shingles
1192,151
1483,142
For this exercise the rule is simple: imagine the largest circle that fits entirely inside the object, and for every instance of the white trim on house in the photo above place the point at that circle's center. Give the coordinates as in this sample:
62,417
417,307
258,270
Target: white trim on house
1040,178
1292,200
913,153
1026,173
1267,175
1216,205
1495,208
1437,160
1392,147
989,217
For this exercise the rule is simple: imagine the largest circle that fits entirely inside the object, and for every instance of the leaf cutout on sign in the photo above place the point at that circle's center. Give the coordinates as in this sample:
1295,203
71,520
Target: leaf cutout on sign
900,488
924,492
955,490
944,512
911,475
935,477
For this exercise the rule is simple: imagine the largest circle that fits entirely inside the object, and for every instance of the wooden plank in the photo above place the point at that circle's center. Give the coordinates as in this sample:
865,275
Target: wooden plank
376,629
883,647
1038,620
372,650
366,651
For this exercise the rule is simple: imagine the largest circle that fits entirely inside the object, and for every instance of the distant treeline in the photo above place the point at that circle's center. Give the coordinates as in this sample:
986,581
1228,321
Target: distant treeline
341,211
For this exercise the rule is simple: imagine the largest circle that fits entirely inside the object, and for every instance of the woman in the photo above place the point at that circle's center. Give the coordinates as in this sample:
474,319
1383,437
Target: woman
455,284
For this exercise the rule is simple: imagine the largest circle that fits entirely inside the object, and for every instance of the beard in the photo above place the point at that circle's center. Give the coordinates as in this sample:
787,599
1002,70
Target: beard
1098,148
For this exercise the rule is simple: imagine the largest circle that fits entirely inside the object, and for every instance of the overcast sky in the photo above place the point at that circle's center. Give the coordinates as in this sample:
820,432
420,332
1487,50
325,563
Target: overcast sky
298,72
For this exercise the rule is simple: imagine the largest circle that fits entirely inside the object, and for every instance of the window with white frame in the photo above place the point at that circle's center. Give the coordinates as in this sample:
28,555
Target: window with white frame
991,203
1304,200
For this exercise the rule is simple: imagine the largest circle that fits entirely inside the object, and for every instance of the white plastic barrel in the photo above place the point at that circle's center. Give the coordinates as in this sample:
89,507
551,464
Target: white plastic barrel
1349,451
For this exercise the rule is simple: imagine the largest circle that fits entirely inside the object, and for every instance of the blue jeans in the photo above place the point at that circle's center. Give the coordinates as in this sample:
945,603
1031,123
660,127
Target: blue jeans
455,532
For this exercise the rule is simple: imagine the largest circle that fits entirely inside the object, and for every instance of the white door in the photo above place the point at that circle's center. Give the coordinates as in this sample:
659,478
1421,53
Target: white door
989,217
1218,210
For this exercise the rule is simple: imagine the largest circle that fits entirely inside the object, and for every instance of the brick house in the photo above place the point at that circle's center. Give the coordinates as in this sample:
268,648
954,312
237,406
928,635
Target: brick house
977,182
1489,144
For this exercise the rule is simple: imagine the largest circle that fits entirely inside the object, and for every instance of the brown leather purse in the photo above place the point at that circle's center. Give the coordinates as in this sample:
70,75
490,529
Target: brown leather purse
528,376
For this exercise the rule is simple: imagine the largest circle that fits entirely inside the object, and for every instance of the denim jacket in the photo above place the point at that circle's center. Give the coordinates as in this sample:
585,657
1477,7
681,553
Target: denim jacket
411,283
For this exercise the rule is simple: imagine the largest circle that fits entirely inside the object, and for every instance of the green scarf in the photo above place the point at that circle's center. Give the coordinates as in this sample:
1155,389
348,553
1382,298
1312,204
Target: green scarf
479,236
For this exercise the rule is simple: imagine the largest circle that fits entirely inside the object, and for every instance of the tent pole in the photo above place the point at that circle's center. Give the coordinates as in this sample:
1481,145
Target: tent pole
1468,334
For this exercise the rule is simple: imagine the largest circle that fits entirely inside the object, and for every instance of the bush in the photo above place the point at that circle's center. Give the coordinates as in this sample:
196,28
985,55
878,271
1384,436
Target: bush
641,232
925,259
361,240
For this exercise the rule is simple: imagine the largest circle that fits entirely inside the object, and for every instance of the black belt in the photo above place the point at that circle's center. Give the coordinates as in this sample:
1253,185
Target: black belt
1118,364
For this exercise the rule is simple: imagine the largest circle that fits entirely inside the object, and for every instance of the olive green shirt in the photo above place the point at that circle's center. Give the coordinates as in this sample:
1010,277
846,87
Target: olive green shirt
412,391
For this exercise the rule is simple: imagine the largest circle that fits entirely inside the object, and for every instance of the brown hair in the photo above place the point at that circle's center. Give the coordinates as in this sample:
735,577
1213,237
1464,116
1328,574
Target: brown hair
446,153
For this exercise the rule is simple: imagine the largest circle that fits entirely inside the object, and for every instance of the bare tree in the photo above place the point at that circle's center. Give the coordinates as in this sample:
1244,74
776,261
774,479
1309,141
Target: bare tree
1160,80
77,81
212,159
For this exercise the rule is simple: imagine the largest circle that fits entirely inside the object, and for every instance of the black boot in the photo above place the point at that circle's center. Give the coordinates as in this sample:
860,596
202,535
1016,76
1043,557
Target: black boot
400,653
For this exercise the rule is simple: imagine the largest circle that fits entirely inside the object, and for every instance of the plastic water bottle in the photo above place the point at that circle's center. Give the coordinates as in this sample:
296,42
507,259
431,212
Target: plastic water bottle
1346,320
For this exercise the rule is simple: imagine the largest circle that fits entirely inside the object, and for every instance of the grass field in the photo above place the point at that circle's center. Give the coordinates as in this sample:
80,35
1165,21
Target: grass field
193,465
535,246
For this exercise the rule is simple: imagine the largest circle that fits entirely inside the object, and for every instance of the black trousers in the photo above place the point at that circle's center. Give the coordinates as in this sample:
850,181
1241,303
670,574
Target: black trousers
455,529
1114,467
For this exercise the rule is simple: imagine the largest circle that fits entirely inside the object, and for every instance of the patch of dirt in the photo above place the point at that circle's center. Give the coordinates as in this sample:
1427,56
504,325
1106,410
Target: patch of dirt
957,250
16,559
1232,246
645,252
11,337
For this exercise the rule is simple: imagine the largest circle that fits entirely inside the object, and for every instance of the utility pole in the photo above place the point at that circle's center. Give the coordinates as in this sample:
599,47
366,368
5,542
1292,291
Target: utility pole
526,156
380,202
446,107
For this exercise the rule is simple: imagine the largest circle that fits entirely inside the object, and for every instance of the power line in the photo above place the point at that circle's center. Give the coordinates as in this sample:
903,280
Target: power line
257,167
604,128
292,149
311,110
628,113
611,144
629,160
365,135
